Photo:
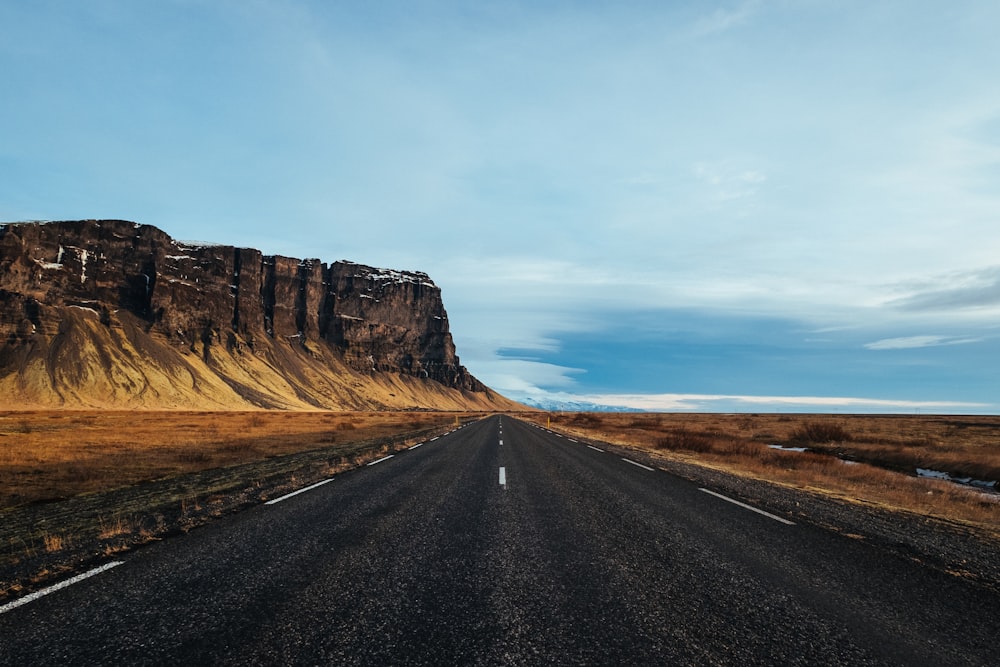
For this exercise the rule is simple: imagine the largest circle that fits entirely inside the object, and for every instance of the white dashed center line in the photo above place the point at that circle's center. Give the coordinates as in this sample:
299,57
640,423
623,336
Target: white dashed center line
501,442
295,493
434,438
503,477
419,444
638,464
748,507
595,448
63,584
384,458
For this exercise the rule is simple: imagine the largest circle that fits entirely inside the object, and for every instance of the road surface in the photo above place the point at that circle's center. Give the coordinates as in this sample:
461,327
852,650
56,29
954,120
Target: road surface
503,544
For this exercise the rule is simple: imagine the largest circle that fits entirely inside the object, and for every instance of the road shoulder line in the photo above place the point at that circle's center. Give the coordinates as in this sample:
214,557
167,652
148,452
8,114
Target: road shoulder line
748,507
637,464
295,493
62,584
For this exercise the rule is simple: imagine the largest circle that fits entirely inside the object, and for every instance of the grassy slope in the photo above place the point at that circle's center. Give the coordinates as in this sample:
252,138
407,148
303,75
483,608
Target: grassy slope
88,364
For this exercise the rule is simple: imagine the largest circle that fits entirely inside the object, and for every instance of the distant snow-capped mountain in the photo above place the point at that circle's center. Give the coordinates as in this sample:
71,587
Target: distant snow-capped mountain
554,405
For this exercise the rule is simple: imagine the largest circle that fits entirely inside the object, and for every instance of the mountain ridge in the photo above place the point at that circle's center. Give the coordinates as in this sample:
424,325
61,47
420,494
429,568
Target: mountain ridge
566,405
112,313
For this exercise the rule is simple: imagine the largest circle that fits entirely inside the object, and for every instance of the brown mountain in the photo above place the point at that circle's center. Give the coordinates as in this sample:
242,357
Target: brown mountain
110,313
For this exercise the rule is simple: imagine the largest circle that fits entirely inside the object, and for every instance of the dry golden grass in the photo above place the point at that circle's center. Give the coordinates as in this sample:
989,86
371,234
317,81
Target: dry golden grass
49,455
85,363
52,542
116,526
887,450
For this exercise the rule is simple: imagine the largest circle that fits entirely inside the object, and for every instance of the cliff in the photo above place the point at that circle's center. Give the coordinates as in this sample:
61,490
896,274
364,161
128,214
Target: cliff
118,314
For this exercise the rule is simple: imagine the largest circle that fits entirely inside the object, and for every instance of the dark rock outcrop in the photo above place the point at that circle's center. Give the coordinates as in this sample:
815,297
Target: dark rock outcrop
219,302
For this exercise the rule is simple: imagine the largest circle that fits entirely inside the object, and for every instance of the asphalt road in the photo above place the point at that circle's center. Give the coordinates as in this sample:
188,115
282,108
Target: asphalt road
502,544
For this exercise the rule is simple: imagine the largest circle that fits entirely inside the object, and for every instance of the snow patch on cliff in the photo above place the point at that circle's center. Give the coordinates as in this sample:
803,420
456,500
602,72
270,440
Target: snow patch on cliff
51,266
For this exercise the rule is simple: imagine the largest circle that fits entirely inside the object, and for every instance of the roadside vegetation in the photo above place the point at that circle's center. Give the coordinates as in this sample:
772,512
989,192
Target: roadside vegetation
47,456
868,459
80,486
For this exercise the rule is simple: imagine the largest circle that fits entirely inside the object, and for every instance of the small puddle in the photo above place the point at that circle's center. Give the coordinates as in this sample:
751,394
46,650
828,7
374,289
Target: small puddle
789,449
990,487
967,481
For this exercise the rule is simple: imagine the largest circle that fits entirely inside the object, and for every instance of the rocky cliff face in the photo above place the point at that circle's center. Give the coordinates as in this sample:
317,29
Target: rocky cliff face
134,296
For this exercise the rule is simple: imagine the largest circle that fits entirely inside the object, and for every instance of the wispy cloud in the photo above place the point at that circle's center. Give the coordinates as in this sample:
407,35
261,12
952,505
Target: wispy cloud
525,377
642,179
723,18
721,402
730,180
911,342
970,289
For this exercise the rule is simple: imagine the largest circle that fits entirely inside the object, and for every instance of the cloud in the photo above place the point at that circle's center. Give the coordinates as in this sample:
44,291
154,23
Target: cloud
524,377
971,289
911,342
729,180
722,402
723,19
642,179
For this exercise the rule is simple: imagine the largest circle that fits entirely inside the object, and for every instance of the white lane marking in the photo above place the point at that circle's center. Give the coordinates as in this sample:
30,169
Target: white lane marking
748,507
384,458
638,464
572,440
503,477
55,587
434,438
595,448
295,493
501,442
419,444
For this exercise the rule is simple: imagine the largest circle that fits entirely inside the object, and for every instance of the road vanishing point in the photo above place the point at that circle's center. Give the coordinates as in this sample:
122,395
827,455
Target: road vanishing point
504,544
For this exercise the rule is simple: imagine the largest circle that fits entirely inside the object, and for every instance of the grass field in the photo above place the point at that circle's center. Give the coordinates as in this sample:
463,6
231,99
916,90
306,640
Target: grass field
49,456
52,455
882,453
78,487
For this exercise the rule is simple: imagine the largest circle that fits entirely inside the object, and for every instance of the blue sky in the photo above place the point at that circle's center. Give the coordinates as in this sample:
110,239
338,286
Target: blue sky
734,205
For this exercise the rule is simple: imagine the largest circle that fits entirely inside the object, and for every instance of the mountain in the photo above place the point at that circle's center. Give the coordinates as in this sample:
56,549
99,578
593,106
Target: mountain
556,405
111,313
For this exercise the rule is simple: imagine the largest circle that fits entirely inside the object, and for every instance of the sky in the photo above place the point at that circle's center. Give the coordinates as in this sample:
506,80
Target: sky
732,205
